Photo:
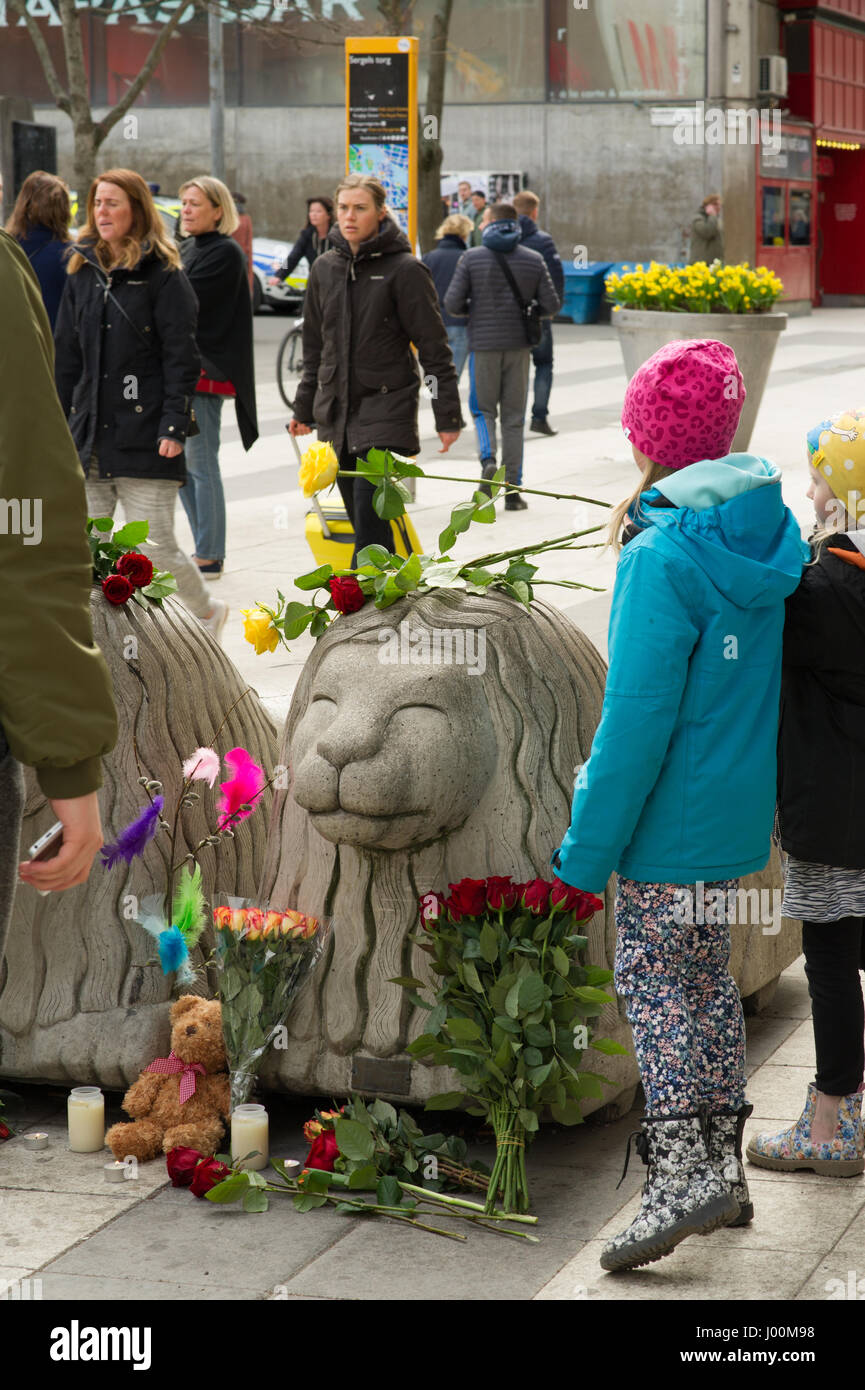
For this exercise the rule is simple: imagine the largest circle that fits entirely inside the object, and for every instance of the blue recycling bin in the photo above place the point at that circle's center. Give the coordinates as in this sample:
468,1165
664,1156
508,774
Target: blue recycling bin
584,290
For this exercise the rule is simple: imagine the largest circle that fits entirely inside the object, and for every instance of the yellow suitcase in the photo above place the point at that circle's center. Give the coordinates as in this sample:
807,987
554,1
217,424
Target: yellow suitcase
330,535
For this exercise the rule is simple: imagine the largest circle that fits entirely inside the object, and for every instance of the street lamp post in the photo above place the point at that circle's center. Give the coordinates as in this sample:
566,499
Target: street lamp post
216,74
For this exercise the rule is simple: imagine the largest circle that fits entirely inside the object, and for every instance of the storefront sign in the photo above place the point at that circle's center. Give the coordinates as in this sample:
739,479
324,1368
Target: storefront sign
791,159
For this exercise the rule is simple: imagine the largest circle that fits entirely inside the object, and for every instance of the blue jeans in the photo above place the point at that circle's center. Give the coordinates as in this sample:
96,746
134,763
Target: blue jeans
542,356
203,498
458,337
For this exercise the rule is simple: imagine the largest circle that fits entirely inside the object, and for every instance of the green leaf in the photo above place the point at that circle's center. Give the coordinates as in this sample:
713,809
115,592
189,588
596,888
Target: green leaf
489,943
567,1114
508,1025
353,1139
388,1193
560,961
296,619
463,1029
139,598
447,540
537,1035
461,516
532,1057
589,995
485,512
363,1179
307,1201
389,500
529,1120
472,978
512,1003
255,1200
317,1180
531,992
447,1100
131,535
315,578
538,1075
407,981
229,1190
320,622
101,523
374,555
408,575
608,1047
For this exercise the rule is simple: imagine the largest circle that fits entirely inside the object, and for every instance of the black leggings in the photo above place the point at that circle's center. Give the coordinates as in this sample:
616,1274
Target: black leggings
834,955
357,494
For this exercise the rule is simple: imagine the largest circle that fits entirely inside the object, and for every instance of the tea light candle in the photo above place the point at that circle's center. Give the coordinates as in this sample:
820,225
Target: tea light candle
36,1141
86,1114
114,1172
250,1130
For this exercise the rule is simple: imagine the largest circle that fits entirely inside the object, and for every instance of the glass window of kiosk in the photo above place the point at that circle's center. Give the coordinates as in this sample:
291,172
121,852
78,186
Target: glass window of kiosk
800,217
773,221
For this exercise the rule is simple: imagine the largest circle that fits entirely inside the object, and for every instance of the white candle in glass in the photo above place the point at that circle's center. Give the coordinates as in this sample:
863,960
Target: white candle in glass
86,1114
250,1130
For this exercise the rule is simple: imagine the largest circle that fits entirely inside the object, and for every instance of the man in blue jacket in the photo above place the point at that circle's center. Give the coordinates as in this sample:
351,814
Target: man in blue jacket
527,205
499,347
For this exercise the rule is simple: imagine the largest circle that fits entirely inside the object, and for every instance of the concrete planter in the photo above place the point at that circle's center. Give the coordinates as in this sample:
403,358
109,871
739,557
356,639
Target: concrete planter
751,336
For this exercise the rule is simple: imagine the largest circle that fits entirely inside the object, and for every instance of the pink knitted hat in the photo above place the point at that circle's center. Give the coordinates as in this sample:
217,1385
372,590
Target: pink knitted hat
684,404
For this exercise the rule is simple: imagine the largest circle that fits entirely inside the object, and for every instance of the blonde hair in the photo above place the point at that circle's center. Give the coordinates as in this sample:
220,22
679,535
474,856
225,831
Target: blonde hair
455,224
219,196
620,514
147,231
526,201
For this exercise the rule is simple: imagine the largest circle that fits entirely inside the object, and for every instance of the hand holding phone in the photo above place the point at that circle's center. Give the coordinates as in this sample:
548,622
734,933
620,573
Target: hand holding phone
63,856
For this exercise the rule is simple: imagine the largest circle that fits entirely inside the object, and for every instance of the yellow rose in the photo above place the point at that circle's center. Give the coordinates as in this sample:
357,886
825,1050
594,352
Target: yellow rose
259,631
319,468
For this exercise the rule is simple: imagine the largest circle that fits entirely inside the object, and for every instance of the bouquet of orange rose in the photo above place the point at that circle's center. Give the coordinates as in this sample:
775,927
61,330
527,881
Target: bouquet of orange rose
263,958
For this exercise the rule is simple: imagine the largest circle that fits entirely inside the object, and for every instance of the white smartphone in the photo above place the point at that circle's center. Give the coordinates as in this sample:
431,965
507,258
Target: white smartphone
46,847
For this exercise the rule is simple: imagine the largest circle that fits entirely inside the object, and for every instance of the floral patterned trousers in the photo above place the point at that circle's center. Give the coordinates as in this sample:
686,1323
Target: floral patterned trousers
682,1002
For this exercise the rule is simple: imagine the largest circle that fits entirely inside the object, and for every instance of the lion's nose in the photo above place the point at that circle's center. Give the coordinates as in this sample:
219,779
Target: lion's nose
190,1030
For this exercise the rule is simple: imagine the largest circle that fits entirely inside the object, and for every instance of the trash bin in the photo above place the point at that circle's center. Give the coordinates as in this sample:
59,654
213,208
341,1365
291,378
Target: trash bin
584,290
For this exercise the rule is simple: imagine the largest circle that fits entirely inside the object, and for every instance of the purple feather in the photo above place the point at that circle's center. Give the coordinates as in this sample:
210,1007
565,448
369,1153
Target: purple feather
135,837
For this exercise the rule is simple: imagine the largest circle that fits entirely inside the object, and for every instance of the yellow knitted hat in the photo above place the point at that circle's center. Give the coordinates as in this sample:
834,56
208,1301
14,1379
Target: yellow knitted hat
836,450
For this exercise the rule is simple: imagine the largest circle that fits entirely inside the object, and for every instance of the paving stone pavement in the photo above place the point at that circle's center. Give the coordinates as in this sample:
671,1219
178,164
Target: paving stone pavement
61,1224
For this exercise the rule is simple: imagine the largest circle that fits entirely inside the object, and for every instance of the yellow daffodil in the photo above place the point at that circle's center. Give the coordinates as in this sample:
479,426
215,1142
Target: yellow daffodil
319,468
259,631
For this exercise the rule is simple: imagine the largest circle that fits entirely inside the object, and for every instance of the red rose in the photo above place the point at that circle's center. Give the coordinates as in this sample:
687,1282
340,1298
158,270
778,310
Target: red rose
583,905
502,892
117,589
432,905
536,896
208,1173
181,1164
468,897
137,568
347,594
323,1151
5,1131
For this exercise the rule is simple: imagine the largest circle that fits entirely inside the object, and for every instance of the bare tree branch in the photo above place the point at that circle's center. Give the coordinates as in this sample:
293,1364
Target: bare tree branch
61,98
137,87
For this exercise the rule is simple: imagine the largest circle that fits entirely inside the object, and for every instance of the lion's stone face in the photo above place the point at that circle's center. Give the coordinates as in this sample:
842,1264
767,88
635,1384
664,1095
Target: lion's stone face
391,756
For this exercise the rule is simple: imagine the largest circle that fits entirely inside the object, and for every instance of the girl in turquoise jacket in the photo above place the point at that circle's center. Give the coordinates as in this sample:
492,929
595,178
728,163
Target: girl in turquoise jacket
678,794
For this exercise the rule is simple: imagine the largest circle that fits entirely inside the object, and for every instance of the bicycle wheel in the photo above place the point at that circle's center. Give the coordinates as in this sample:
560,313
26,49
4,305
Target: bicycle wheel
289,365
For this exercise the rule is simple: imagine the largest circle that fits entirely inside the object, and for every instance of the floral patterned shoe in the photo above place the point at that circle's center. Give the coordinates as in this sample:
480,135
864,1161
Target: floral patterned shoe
792,1150
725,1150
683,1196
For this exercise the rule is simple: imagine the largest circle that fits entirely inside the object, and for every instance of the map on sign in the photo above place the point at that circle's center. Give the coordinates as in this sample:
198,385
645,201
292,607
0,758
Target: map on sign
388,164
378,124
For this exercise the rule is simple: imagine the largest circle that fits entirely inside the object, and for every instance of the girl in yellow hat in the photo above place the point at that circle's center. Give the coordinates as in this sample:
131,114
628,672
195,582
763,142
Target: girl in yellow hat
821,775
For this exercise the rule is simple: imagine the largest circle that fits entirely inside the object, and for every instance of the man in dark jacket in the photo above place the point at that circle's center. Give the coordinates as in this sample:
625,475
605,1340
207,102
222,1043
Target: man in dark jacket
527,205
499,346
367,301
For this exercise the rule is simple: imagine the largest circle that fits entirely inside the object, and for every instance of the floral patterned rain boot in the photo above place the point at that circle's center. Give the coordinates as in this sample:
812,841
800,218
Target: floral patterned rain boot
683,1194
792,1150
725,1151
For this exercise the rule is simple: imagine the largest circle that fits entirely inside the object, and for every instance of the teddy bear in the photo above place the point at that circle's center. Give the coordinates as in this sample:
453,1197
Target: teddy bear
182,1099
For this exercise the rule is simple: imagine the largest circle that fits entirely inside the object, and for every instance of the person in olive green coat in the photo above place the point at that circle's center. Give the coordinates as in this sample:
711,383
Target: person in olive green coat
56,708
707,239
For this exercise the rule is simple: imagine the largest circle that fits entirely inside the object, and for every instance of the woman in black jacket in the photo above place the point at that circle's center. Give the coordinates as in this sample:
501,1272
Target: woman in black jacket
311,241
126,365
453,239
40,223
821,823
216,267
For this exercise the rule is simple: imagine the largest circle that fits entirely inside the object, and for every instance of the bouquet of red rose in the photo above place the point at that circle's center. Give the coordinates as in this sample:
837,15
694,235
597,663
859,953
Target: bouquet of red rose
263,958
121,569
512,1011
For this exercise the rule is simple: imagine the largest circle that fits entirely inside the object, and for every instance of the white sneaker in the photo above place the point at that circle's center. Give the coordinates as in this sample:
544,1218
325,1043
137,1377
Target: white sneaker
217,618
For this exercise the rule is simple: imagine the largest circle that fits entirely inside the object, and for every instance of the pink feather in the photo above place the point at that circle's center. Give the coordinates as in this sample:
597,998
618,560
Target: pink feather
203,766
244,787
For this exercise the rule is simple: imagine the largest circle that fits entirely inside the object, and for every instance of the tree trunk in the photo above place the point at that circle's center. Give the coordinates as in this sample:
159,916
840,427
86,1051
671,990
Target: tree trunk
429,145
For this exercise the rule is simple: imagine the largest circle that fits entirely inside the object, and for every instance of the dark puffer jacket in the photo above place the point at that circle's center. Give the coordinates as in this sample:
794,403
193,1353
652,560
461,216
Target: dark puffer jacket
821,738
480,292
120,394
442,261
536,240
48,257
360,383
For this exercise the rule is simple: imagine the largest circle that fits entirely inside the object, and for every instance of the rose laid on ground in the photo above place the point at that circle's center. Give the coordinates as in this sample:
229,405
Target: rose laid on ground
117,589
323,1151
318,468
259,631
347,594
208,1173
136,568
181,1164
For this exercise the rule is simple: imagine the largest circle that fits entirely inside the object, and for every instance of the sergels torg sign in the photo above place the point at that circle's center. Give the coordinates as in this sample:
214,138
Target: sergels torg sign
161,13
